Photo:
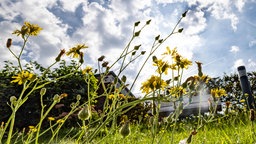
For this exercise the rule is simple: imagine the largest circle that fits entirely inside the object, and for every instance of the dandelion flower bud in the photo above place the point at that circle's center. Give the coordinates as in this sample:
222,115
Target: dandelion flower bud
125,129
185,13
9,43
56,98
137,47
180,30
84,113
81,57
143,52
148,22
137,23
136,34
157,37
104,64
62,52
78,97
13,99
101,58
42,91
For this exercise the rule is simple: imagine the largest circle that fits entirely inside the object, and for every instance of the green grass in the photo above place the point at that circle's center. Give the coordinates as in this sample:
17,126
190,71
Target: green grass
224,130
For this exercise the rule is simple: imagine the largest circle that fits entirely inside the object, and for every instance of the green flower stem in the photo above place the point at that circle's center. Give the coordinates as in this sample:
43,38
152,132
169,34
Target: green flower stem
43,116
153,49
82,133
12,117
60,125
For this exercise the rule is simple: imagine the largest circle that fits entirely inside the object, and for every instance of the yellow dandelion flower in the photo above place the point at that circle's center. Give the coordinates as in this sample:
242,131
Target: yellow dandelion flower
162,66
177,91
87,69
75,51
22,77
32,128
217,93
28,29
122,96
170,52
185,63
111,96
51,118
152,84
60,121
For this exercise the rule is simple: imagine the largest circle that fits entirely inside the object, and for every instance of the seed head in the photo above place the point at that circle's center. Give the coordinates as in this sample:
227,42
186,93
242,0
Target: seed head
84,113
125,129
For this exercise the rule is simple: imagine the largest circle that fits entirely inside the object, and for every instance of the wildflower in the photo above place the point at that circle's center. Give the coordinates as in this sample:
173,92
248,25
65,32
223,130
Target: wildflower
177,91
152,84
87,69
217,93
122,96
75,51
9,43
62,52
111,96
63,95
125,129
162,66
32,128
170,52
28,29
84,113
185,63
51,118
23,77
59,121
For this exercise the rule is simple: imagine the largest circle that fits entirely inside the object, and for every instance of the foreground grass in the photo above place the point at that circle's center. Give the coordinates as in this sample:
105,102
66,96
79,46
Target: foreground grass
223,130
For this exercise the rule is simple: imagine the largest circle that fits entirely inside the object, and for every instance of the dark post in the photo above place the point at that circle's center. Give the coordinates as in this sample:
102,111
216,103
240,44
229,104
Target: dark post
246,88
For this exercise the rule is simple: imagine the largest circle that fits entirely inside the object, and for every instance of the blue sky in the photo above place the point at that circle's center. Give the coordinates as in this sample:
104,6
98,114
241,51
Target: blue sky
220,34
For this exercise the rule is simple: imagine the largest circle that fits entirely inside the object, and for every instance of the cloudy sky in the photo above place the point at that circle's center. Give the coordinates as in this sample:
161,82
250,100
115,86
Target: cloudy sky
220,34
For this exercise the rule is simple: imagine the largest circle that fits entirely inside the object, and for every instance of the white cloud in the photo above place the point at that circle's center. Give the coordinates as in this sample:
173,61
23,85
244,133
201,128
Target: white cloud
252,43
234,49
252,64
240,4
72,5
195,22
